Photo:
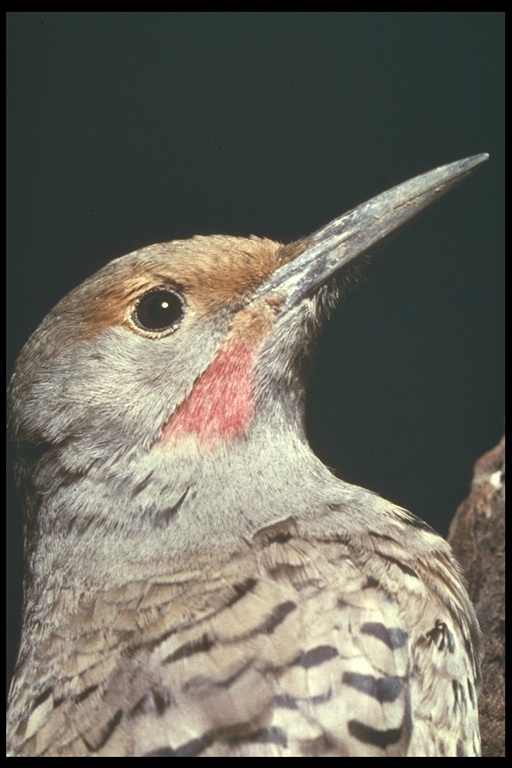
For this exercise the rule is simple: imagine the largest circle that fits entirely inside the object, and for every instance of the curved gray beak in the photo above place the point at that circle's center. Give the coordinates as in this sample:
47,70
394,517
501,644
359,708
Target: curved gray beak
339,242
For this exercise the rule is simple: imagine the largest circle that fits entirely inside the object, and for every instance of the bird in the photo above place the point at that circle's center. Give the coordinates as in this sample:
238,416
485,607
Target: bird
197,582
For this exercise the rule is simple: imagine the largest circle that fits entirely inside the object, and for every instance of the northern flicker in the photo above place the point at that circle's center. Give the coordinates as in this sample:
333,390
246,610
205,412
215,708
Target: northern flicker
197,581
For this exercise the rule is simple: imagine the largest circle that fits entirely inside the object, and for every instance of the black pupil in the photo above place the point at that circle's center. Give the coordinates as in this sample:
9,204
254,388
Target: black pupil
159,310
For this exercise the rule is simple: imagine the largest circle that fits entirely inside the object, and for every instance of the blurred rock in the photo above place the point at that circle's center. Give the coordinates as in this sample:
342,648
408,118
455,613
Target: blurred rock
477,535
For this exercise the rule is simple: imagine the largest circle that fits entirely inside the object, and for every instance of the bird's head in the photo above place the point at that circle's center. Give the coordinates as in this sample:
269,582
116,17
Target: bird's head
194,342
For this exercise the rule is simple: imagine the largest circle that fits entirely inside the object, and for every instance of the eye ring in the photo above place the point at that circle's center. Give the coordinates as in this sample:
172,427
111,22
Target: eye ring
159,311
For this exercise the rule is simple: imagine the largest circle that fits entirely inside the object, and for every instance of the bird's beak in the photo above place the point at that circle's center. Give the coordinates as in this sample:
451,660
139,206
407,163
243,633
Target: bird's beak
339,242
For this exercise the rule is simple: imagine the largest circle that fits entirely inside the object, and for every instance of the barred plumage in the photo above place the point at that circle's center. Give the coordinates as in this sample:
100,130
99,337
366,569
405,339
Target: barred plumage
293,646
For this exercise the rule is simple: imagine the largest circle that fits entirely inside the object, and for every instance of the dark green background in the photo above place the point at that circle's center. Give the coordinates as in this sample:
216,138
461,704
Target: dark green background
126,129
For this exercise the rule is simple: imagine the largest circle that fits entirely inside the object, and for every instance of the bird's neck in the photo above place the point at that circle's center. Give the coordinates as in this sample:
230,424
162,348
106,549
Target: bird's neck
177,496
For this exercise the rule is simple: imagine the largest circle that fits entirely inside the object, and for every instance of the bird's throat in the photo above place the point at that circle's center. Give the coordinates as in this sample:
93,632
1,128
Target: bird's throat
221,403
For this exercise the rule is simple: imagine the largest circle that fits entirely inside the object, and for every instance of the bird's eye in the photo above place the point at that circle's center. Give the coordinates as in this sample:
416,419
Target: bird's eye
159,310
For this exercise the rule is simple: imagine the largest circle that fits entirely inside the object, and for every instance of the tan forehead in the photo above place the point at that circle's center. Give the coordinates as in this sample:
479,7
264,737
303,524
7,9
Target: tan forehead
211,272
